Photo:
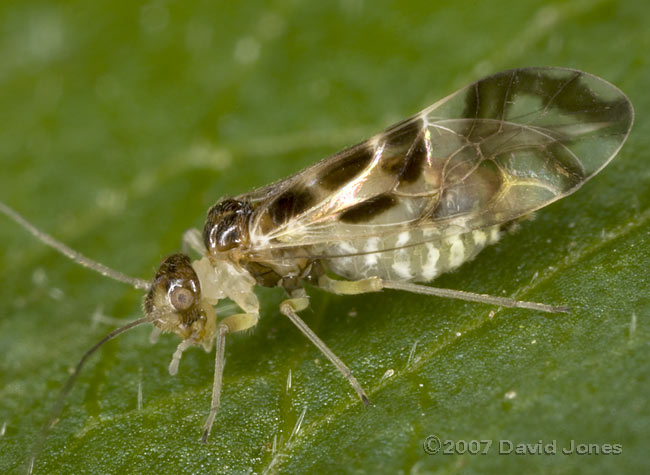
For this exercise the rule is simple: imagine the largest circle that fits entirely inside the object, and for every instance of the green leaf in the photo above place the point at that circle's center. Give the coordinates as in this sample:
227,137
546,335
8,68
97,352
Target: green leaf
123,123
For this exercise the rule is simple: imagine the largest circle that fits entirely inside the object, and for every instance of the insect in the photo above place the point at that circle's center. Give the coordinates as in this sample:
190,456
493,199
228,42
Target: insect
393,212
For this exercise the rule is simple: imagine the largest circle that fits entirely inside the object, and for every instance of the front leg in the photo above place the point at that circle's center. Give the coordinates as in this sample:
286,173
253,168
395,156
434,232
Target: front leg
299,302
240,322
233,323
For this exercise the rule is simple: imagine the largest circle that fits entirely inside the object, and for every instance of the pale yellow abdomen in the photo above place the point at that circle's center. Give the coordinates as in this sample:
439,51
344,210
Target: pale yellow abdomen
421,262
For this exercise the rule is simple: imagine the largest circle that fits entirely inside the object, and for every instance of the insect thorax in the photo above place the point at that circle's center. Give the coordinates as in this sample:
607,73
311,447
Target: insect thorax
226,226
226,237
222,279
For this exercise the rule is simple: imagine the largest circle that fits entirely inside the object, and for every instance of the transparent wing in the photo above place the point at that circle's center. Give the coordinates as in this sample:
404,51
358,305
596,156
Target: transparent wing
494,151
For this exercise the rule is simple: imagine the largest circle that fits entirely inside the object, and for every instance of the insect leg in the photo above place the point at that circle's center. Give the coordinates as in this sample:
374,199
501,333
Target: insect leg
374,284
231,324
351,287
219,364
473,297
300,302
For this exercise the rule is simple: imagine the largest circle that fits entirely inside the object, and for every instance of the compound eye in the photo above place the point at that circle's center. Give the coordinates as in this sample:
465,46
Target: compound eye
181,298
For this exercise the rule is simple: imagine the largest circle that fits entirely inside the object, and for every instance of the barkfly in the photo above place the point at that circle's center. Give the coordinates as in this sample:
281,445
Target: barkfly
399,209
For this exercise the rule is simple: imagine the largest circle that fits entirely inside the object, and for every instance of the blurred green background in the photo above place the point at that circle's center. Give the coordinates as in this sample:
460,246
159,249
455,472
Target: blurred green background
121,124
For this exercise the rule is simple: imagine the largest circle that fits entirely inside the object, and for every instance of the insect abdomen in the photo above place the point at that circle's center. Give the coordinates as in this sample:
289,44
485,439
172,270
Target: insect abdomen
417,263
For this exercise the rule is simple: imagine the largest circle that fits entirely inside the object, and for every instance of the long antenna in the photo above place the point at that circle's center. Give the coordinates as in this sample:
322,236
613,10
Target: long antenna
71,253
65,391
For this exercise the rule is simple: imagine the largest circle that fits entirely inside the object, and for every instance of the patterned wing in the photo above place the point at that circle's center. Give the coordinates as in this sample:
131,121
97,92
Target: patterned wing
494,151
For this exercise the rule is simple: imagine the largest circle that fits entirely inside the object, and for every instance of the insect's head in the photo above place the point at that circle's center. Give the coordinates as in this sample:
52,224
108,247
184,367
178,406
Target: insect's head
174,302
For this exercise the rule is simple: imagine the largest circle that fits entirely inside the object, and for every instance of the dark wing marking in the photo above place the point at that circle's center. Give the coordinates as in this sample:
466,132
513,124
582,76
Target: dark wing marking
498,149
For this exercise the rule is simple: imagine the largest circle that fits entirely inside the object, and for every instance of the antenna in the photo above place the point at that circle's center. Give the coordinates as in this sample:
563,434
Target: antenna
71,253
65,391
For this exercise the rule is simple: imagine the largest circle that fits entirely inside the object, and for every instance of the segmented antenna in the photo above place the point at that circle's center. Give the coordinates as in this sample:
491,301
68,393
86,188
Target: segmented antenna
65,391
71,253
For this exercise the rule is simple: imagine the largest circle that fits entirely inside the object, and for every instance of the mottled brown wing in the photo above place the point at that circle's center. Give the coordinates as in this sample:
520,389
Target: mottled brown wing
498,149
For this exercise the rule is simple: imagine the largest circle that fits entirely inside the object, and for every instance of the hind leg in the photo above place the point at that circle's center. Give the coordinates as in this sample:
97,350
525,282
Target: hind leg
375,284
300,301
